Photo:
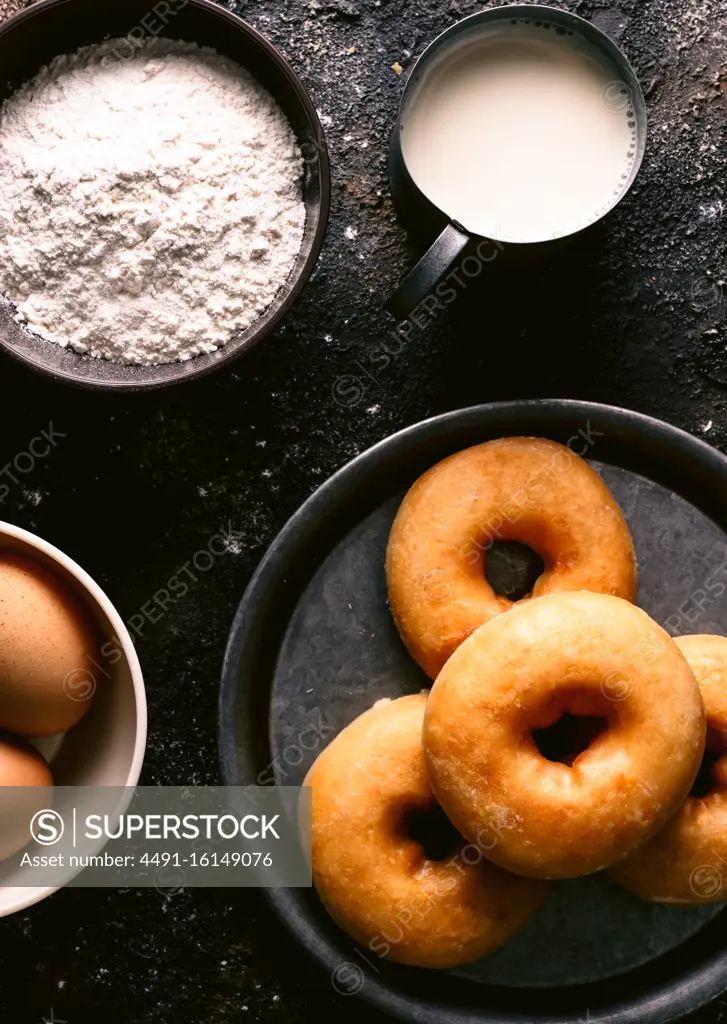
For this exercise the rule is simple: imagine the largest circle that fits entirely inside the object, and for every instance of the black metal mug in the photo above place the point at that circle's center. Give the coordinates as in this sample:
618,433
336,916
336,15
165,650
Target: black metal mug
449,238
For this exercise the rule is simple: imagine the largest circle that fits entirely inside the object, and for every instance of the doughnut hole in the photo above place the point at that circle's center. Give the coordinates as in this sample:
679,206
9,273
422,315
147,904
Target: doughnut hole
427,826
569,725
512,569
712,772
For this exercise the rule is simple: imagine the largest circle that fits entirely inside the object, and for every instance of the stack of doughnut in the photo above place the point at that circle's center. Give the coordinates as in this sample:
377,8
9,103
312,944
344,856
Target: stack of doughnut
563,734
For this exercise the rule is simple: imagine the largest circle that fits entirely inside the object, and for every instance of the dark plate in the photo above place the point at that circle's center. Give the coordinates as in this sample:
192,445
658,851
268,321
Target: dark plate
37,35
313,645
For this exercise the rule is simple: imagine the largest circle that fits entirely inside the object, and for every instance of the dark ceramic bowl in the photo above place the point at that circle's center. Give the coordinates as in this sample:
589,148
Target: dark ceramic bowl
313,645
33,38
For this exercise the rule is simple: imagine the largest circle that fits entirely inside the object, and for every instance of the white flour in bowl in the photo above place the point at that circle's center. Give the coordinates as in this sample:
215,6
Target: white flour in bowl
150,201
10,7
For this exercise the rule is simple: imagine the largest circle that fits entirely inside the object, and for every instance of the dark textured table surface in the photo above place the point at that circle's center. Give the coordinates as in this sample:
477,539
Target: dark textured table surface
633,315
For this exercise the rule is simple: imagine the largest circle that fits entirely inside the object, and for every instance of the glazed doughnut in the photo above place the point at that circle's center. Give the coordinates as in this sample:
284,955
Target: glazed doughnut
376,881
492,711
516,489
686,861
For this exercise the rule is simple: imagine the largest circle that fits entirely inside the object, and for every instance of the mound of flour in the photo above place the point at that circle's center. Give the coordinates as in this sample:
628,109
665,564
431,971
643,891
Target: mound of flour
150,201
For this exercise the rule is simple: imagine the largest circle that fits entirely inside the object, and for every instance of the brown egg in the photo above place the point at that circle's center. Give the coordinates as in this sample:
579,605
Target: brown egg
47,677
21,764
24,770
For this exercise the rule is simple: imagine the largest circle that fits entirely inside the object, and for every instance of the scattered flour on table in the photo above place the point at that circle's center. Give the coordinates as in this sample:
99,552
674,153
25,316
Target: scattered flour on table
150,203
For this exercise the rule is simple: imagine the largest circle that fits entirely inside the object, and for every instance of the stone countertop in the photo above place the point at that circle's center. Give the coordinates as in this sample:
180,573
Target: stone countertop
633,315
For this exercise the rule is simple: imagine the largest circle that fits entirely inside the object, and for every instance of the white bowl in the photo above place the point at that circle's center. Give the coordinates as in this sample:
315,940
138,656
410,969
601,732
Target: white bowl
106,748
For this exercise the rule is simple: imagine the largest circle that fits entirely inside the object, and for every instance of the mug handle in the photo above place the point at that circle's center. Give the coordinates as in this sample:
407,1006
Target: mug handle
430,269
